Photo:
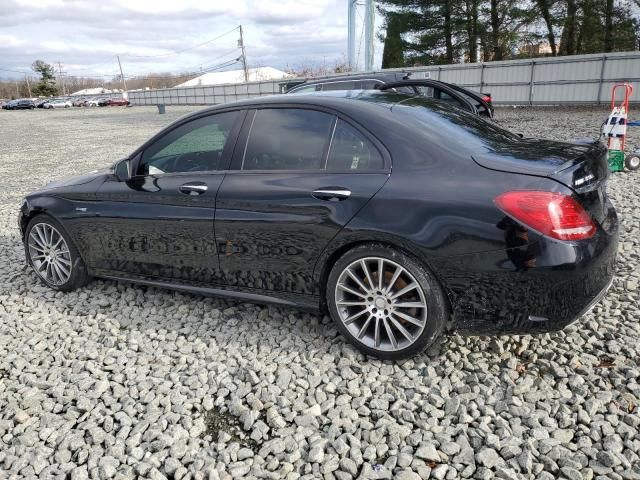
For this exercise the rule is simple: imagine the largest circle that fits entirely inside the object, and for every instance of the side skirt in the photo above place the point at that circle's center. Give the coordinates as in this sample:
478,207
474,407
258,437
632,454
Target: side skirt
303,302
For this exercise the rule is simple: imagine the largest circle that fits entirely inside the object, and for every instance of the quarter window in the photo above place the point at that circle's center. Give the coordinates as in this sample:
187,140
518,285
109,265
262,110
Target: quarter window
350,150
287,139
196,146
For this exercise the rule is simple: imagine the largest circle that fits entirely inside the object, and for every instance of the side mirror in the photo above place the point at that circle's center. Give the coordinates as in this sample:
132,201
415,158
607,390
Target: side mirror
123,170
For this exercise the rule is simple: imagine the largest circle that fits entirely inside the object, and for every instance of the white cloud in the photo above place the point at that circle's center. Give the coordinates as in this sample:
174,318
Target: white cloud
9,41
87,35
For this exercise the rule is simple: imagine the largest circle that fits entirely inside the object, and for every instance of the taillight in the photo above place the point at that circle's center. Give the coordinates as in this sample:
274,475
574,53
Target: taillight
553,214
487,98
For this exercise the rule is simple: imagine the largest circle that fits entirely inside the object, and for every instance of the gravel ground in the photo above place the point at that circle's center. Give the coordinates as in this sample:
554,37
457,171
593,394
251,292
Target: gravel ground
121,381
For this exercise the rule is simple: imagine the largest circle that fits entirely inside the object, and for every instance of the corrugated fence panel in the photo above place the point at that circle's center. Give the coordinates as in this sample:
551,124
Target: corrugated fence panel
550,72
505,74
622,68
460,76
566,93
539,81
508,94
607,86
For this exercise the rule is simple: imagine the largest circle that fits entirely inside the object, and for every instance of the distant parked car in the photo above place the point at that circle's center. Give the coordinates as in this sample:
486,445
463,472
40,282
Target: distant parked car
41,103
81,102
119,102
22,104
98,102
58,104
9,105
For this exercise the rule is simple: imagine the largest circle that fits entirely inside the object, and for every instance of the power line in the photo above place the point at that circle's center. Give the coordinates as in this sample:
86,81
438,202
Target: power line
184,49
14,71
214,58
61,75
124,82
244,57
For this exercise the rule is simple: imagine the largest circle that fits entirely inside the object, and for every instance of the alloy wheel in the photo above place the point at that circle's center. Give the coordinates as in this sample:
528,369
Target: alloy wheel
381,304
49,254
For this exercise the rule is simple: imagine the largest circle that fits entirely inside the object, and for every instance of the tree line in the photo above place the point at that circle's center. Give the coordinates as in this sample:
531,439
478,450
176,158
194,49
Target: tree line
46,83
432,32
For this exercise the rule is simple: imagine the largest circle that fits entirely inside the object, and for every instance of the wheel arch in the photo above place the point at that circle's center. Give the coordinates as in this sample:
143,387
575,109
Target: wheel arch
331,256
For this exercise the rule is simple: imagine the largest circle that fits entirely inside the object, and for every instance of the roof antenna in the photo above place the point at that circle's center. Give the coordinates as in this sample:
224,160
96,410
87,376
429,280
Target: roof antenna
407,75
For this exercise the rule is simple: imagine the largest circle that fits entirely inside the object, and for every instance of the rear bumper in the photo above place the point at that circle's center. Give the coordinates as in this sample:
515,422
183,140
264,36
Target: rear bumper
539,288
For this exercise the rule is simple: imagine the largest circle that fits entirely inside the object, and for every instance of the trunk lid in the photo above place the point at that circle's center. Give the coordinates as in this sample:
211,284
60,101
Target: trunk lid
581,167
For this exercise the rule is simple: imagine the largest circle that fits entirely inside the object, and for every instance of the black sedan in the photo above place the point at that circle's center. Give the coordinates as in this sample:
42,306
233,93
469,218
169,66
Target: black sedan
398,215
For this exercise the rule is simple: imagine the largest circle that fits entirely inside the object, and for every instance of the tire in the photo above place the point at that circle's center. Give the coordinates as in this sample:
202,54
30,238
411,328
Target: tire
632,162
48,231
379,309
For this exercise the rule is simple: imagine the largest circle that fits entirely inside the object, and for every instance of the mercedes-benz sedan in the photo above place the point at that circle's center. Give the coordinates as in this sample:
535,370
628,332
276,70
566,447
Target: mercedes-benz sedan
397,215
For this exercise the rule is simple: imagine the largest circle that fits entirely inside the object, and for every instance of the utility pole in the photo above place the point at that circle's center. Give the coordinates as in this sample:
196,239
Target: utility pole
351,40
17,90
61,75
244,57
369,22
124,82
28,84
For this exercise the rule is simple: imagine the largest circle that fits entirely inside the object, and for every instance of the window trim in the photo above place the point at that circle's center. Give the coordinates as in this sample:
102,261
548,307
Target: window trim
225,156
243,138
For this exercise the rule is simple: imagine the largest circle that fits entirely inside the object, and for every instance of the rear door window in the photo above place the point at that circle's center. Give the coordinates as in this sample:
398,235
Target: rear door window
287,139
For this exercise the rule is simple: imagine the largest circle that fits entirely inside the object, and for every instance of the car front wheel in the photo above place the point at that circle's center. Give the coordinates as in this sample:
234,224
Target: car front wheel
385,302
53,256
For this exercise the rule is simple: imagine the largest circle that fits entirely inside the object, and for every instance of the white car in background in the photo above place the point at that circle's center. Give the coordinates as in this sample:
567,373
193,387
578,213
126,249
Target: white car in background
97,102
57,104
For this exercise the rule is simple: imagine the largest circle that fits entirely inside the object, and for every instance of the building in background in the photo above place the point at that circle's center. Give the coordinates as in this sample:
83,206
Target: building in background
96,91
236,76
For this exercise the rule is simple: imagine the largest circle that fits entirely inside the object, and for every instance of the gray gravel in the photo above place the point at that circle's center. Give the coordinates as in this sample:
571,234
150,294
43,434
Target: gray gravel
120,381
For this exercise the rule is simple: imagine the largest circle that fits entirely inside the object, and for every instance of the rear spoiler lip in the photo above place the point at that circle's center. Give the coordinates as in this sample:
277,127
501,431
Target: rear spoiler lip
564,173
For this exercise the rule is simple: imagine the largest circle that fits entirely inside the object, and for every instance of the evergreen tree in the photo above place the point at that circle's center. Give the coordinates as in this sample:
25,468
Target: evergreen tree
393,53
445,31
46,87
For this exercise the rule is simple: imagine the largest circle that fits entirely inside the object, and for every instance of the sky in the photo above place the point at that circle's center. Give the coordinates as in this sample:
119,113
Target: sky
159,35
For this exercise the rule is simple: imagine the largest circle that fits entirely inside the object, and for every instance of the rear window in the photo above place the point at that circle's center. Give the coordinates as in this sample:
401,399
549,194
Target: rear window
451,122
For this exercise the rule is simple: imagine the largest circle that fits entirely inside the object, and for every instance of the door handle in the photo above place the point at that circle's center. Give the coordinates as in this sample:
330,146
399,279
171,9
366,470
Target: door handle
331,193
196,188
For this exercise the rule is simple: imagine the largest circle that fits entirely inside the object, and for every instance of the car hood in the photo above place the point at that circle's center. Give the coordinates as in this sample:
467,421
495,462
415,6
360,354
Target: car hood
78,179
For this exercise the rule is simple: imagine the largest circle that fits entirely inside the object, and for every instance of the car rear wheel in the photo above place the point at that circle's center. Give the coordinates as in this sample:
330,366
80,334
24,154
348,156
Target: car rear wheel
632,162
53,256
385,302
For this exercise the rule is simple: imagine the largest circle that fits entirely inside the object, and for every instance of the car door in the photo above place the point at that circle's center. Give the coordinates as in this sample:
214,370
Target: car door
298,176
160,223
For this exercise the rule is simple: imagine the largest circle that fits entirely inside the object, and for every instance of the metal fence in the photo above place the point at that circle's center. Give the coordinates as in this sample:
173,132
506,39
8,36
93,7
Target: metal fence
578,79
205,95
